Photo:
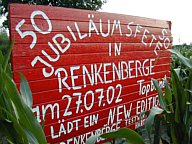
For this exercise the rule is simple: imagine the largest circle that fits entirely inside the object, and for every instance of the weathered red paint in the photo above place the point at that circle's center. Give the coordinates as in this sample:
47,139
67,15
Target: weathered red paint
99,87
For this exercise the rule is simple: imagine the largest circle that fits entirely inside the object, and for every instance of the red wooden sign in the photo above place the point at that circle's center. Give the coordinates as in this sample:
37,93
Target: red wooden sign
90,72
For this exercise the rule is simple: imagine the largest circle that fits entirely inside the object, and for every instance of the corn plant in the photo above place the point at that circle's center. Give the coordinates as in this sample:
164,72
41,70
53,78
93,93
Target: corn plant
18,125
175,104
186,51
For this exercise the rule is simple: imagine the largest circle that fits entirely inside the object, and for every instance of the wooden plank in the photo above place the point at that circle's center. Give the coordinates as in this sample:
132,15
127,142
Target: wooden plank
128,87
22,50
46,85
78,59
34,74
94,38
46,97
62,26
60,108
58,13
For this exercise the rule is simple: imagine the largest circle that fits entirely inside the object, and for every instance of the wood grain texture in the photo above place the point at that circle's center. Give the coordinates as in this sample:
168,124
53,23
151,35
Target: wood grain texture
57,13
89,72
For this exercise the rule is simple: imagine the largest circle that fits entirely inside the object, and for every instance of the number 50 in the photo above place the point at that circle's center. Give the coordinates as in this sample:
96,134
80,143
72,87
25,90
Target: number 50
32,33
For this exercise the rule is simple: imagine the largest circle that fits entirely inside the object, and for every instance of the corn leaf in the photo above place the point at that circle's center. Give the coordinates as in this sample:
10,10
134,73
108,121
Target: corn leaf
5,102
9,70
31,137
130,135
7,57
179,95
168,96
174,134
188,86
183,59
26,116
160,94
1,59
150,119
16,125
25,91
14,109
5,132
168,93
92,139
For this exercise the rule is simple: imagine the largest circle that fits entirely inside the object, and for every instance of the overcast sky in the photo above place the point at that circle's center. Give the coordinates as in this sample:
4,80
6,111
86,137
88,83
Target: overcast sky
179,12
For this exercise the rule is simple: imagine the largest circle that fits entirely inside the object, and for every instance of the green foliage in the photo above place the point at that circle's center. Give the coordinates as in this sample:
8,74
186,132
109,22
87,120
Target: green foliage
186,51
79,4
153,112
18,123
175,103
128,135
4,42
26,91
